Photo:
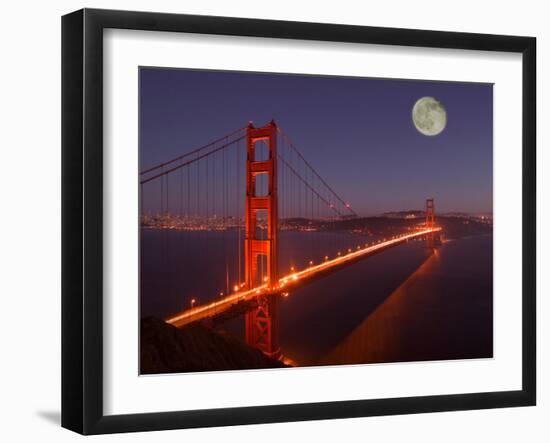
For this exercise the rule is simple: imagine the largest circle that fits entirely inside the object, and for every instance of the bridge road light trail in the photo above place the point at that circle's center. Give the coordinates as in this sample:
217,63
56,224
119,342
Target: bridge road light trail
217,307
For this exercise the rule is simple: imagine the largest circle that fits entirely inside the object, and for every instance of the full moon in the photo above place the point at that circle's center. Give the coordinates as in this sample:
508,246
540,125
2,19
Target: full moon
429,116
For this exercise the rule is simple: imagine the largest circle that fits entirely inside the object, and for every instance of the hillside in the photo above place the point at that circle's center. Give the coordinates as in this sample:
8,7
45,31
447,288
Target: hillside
167,349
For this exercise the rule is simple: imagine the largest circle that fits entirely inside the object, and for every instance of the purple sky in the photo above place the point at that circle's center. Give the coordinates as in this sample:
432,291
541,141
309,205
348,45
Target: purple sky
356,132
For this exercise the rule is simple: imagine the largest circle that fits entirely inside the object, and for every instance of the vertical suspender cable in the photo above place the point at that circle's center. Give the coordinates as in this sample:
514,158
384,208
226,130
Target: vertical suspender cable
181,193
238,218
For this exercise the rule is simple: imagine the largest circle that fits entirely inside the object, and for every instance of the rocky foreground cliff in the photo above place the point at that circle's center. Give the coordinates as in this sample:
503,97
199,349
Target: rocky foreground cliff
167,349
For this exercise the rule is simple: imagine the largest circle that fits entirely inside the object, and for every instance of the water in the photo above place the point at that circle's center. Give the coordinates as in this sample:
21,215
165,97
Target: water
402,304
178,266
442,310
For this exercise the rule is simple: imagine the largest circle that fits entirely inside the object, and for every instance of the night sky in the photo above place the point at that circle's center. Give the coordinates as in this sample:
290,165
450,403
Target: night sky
356,132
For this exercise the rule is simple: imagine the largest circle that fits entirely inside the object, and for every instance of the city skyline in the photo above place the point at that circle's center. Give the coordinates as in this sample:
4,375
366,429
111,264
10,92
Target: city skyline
383,164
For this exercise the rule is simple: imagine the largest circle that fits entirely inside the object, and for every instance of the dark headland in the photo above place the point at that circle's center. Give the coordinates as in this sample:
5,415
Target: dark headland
194,348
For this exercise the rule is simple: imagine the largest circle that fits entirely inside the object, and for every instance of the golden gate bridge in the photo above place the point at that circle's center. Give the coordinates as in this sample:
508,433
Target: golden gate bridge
202,190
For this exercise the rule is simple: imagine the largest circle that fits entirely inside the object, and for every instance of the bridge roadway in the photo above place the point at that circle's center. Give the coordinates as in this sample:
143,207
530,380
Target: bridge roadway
290,281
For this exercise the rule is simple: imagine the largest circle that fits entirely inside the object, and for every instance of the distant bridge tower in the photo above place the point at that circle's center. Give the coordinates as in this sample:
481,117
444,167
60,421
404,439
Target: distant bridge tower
430,222
262,323
430,213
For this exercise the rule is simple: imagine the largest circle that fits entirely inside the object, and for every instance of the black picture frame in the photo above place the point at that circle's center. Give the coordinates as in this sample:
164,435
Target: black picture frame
82,218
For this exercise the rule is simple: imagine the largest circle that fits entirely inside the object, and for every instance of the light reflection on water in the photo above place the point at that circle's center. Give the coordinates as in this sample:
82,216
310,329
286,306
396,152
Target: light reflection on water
403,304
444,310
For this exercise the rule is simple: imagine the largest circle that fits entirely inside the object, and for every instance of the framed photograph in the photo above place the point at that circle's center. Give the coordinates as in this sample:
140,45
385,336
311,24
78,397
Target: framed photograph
269,221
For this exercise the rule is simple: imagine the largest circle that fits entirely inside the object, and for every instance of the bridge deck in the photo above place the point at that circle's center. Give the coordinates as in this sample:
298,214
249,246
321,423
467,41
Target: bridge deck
289,281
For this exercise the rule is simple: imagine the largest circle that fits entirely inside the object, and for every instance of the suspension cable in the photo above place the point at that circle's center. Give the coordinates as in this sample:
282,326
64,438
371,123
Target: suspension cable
194,151
293,146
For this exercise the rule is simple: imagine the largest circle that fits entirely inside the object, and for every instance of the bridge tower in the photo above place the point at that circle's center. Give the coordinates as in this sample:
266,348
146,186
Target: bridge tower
262,323
430,222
